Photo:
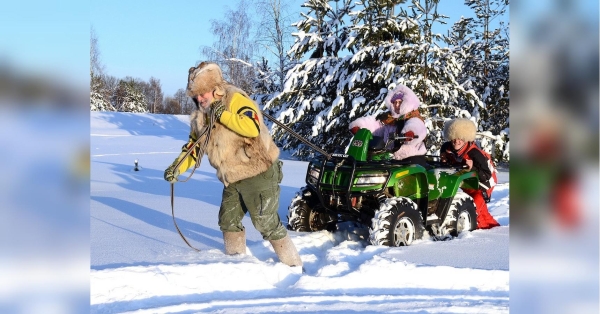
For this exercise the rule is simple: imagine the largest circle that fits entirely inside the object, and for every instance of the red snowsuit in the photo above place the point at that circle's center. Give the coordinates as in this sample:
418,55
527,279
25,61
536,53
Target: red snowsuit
482,163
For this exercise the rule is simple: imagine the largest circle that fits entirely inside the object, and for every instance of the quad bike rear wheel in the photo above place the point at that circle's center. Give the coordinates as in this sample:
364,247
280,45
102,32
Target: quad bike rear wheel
398,222
463,208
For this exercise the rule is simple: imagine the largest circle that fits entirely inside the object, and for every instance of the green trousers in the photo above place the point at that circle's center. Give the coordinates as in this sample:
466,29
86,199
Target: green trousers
259,196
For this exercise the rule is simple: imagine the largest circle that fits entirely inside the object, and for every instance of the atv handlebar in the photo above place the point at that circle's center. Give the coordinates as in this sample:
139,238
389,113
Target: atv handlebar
406,137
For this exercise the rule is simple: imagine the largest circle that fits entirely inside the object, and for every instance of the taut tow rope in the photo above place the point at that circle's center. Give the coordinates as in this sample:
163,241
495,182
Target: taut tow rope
298,136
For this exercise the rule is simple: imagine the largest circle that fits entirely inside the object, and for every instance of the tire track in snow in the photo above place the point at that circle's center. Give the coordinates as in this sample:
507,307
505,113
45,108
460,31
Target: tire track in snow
398,301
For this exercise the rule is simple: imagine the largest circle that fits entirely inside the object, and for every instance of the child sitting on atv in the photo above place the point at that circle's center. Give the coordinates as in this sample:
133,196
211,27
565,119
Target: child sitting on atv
461,149
401,119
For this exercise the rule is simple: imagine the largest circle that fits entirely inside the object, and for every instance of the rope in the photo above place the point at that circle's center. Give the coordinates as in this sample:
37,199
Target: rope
206,130
298,136
175,222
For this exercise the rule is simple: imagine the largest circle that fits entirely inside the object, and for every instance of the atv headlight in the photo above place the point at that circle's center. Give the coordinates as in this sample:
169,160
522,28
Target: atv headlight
313,175
370,179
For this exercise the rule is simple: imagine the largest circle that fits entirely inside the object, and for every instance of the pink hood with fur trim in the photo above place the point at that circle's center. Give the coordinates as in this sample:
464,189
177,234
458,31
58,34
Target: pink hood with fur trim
410,101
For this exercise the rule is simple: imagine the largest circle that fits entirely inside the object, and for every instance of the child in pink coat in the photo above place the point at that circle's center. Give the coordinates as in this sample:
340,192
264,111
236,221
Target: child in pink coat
402,119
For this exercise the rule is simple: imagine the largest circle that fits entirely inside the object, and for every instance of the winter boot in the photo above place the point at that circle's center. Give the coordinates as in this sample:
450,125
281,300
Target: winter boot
235,242
286,251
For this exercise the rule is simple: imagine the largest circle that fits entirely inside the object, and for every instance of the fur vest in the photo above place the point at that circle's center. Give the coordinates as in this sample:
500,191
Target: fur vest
236,157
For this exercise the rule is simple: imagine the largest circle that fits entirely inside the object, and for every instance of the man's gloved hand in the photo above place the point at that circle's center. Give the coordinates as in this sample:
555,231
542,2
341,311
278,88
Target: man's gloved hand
354,130
217,109
171,173
386,118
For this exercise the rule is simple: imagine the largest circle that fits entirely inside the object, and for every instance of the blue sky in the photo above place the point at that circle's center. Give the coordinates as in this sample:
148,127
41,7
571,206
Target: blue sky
153,38
163,38
136,38
144,38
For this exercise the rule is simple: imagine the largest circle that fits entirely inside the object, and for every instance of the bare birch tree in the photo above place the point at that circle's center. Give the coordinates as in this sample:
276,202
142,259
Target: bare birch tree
233,49
274,34
96,67
187,106
171,106
154,95
99,97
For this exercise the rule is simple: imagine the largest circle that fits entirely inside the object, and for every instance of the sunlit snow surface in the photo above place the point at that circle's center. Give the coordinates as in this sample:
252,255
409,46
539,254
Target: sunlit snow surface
140,264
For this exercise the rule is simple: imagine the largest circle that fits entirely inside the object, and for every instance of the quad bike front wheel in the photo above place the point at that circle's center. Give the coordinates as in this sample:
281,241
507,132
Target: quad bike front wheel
398,222
304,214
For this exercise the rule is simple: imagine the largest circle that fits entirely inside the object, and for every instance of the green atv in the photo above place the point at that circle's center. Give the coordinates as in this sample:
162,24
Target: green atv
397,200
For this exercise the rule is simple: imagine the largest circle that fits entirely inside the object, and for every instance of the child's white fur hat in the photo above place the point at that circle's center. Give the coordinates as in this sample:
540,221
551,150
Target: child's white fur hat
460,128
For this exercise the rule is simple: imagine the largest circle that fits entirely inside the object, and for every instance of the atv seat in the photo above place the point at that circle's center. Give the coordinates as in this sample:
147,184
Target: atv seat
418,160
413,160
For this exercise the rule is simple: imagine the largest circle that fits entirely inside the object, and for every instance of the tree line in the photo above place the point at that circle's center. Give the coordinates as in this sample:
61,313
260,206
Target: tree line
109,93
338,61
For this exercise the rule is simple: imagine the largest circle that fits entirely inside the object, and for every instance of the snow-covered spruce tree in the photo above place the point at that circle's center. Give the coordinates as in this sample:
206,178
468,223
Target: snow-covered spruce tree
323,30
376,23
325,93
131,97
484,53
264,82
310,89
98,100
431,71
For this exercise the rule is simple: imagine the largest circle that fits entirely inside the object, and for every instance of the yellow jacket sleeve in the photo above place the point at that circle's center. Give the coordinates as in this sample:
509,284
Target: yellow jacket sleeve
242,116
190,160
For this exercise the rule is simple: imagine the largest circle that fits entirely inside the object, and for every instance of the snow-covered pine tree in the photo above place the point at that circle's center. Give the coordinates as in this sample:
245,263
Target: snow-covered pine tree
376,23
432,71
484,53
98,101
264,82
323,30
325,93
310,91
131,97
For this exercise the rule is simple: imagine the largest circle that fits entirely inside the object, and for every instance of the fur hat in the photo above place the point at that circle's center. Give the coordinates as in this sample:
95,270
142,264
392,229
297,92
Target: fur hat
206,77
460,128
410,101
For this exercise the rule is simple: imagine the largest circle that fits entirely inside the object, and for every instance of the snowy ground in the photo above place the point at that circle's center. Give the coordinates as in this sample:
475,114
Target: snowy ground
140,264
